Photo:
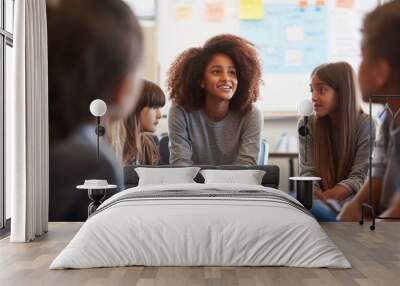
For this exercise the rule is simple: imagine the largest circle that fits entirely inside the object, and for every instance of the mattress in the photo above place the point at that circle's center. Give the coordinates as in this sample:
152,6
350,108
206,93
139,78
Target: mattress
201,225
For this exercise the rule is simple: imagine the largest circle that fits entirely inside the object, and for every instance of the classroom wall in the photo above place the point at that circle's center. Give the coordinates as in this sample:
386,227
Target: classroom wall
150,59
291,36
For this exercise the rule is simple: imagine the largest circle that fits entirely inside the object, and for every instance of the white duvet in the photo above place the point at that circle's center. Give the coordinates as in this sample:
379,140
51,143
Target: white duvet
201,231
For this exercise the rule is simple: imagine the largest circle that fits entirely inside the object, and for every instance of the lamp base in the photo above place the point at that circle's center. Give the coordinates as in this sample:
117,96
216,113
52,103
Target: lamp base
304,193
96,196
304,190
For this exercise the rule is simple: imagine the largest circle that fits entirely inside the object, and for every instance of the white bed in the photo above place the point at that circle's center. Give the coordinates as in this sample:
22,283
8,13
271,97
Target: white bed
225,225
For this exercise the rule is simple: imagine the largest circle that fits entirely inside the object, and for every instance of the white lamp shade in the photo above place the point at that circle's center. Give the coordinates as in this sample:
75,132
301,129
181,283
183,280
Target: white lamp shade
98,107
305,107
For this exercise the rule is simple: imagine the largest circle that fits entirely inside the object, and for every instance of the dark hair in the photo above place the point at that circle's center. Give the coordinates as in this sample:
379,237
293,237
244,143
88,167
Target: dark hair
151,96
381,34
186,73
341,77
92,46
139,145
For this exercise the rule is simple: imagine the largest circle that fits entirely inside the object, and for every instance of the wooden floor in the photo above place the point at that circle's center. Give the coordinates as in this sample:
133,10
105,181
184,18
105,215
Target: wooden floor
375,257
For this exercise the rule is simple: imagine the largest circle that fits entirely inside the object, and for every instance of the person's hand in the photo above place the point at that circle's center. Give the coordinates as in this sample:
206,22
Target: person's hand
351,211
319,195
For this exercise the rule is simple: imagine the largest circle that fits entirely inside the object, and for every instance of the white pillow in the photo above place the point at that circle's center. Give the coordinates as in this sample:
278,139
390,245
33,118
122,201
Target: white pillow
166,176
248,177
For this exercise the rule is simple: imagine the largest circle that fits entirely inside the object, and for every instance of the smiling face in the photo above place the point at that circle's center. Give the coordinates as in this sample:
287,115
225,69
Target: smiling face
220,79
324,97
149,119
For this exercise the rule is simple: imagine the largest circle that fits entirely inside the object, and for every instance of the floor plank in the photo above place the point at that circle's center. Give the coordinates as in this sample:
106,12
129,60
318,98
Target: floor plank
374,255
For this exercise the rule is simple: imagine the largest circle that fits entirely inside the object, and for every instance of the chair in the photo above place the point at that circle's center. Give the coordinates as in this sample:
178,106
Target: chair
264,152
164,150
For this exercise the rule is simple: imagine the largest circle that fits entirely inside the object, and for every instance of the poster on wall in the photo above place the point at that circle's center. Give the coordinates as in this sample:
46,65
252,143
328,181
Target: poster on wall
291,38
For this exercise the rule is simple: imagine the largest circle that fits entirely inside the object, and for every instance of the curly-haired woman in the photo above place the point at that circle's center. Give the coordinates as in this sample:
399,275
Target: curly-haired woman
212,120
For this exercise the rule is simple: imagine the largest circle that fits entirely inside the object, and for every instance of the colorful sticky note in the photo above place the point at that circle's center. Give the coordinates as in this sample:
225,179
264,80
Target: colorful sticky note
347,4
184,12
303,3
214,11
251,10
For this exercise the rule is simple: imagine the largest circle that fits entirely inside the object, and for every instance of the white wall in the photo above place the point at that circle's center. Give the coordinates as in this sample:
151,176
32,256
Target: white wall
150,59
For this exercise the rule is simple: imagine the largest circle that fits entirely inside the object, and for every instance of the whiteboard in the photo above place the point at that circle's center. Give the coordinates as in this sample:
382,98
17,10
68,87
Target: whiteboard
291,39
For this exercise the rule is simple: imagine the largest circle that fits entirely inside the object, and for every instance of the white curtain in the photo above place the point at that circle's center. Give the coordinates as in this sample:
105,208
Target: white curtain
27,146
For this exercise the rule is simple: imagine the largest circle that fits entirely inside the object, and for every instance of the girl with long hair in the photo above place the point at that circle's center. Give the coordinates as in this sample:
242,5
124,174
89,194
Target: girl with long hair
338,139
140,146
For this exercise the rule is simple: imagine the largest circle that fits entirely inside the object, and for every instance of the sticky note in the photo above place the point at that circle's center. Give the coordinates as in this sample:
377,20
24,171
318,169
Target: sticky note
347,4
184,12
303,3
214,11
251,10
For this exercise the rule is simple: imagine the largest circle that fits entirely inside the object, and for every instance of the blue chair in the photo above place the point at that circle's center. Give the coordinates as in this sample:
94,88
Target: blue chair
264,152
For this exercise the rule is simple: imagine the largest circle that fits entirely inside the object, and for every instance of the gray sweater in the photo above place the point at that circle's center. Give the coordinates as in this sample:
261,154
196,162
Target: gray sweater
195,139
359,170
